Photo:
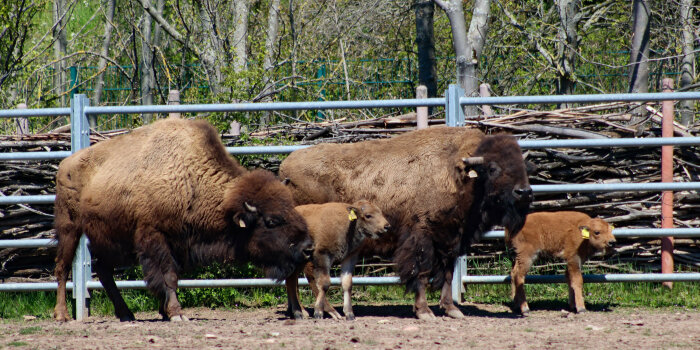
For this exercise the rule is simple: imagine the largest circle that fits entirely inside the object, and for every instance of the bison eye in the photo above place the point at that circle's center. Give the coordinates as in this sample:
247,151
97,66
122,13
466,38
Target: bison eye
368,216
271,222
596,232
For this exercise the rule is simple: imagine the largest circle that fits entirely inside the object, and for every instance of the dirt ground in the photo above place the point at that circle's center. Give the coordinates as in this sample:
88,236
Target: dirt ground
376,327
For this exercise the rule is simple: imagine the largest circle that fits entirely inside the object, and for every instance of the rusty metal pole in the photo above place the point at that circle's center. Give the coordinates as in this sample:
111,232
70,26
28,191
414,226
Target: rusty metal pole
422,112
667,176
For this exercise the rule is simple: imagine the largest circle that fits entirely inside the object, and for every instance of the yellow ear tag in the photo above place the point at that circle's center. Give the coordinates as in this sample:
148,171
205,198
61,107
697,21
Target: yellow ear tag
585,233
472,174
352,215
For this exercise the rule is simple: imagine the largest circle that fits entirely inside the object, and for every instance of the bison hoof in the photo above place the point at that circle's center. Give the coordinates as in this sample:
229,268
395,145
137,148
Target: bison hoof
454,313
318,315
350,317
580,310
298,315
127,318
425,315
62,316
179,318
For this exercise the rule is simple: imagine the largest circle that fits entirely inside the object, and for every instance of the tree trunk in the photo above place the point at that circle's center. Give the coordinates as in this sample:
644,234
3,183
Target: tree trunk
639,57
212,47
59,49
240,34
467,45
270,54
688,61
567,45
425,41
146,65
102,63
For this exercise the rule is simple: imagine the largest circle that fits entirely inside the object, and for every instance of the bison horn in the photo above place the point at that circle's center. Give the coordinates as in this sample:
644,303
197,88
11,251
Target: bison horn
473,160
250,208
241,223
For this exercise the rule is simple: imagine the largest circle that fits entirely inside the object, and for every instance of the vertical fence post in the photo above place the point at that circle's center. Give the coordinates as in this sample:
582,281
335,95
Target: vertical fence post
82,269
454,112
22,122
73,80
667,176
455,117
174,99
485,91
422,112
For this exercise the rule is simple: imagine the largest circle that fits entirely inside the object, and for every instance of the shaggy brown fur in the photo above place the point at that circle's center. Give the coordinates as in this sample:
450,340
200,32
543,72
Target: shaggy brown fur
559,234
338,230
436,204
169,196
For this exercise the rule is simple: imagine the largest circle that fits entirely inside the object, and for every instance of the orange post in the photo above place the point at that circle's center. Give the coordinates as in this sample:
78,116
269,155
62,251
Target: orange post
667,176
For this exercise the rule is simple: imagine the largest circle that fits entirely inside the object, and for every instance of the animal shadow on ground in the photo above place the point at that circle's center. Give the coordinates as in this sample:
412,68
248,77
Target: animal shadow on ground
406,311
558,305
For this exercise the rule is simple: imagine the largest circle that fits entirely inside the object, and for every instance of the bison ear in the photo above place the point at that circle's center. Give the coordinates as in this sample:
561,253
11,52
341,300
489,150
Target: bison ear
246,217
467,166
352,213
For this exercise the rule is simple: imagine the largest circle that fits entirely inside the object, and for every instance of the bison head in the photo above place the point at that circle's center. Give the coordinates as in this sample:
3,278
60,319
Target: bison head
371,223
599,234
269,231
501,188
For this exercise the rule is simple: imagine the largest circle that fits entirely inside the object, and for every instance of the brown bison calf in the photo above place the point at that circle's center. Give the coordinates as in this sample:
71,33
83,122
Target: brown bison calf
168,196
570,235
338,230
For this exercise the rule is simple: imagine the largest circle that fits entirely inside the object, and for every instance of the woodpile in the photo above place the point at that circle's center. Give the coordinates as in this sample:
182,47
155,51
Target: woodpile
553,166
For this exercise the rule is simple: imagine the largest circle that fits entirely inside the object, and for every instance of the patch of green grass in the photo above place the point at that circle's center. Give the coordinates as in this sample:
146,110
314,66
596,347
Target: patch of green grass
30,330
18,304
17,343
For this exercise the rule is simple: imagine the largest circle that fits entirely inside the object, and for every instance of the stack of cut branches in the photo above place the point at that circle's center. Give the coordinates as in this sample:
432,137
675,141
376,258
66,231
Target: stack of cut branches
554,166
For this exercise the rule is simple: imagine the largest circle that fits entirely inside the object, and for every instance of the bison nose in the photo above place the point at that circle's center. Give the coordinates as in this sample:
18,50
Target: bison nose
522,193
611,244
387,227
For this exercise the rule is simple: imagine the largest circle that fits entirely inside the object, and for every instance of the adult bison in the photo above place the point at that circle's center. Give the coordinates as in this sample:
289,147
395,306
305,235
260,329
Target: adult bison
439,188
169,196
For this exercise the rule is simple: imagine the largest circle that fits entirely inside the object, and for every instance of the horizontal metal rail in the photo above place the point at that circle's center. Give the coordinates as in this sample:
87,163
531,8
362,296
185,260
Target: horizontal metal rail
524,144
34,155
221,283
272,106
592,278
363,281
33,199
624,232
37,112
563,188
28,243
494,234
592,98
624,142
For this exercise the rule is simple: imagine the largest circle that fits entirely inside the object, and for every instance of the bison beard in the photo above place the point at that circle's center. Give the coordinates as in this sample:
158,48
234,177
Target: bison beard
170,197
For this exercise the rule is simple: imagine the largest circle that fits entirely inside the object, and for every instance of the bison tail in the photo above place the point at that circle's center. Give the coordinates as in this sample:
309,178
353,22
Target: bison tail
414,257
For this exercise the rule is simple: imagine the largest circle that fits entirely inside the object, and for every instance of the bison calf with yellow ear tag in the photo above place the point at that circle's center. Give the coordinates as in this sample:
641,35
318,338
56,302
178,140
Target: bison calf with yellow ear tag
338,230
570,235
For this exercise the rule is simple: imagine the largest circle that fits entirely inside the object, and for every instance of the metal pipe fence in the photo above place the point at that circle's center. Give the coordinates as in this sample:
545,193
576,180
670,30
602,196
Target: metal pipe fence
454,117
